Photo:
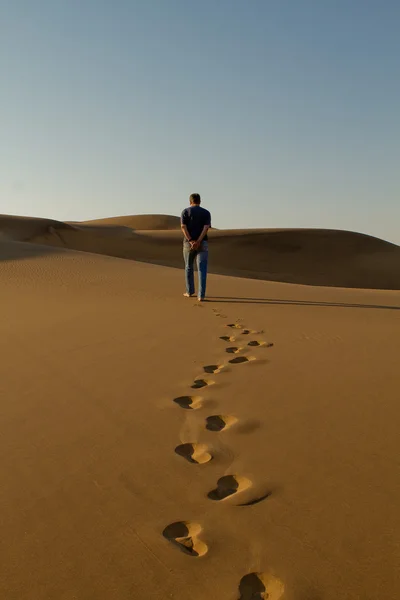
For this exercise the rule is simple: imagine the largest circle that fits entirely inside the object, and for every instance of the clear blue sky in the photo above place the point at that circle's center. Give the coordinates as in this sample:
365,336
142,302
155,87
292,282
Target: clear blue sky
281,113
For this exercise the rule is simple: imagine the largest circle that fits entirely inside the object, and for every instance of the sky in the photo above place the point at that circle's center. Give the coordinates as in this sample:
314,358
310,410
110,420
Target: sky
280,113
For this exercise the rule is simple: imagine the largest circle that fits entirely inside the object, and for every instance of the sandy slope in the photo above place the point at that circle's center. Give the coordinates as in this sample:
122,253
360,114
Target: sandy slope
305,256
141,222
94,352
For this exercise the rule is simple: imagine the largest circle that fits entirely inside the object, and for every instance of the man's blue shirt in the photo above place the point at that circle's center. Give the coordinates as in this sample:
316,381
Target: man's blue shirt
195,218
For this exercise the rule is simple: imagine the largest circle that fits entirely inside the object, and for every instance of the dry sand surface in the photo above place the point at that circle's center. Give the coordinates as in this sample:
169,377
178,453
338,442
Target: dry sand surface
153,447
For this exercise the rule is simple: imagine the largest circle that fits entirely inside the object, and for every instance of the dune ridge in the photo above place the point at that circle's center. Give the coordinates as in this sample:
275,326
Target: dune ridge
306,256
141,222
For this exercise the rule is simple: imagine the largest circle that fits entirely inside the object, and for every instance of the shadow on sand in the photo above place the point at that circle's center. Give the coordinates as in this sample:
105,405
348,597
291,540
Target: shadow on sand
22,250
276,301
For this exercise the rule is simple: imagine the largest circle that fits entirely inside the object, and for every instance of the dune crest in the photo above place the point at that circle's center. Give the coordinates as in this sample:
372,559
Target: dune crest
320,257
140,222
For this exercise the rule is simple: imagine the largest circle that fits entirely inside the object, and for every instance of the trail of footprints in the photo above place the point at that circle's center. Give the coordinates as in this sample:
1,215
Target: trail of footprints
187,536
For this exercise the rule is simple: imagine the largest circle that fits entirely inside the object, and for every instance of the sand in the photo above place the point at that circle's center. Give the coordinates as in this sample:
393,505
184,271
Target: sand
141,459
319,257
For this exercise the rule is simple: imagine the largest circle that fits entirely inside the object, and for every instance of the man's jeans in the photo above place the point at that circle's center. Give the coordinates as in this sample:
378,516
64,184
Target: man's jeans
201,256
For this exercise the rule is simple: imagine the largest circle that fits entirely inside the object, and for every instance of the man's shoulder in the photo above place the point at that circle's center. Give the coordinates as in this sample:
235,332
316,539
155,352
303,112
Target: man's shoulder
207,215
204,210
193,210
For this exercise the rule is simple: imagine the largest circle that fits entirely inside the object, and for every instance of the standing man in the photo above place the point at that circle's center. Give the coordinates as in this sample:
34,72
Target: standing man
195,223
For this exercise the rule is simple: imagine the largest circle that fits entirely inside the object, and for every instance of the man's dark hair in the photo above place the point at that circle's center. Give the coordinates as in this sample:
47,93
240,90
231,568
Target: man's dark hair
195,198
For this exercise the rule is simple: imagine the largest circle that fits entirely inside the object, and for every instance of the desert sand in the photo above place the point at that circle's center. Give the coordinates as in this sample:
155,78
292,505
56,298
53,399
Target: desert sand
153,447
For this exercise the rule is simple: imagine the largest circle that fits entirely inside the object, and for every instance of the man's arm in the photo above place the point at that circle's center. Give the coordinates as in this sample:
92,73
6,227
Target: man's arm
185,232
197,243
184,221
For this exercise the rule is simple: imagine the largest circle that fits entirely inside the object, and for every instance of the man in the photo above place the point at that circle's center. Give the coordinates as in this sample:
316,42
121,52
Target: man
195,223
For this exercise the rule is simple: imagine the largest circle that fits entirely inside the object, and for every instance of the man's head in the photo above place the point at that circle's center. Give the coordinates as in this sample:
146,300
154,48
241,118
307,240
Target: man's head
195,199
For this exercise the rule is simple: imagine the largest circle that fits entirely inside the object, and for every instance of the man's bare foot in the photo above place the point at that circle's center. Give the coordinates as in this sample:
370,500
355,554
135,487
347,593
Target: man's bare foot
188,295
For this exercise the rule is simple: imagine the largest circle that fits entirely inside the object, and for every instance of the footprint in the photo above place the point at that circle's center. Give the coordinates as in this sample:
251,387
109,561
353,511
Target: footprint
233,350
227,338
184,535
234,326
229,485
241,359
257,343
220,422
246,332
194,453
200,383
260,586
189,402
213,368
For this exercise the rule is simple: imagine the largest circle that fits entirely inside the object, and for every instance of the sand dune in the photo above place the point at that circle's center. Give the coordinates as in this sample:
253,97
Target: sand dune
141,222
305,256
25,228
154,447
